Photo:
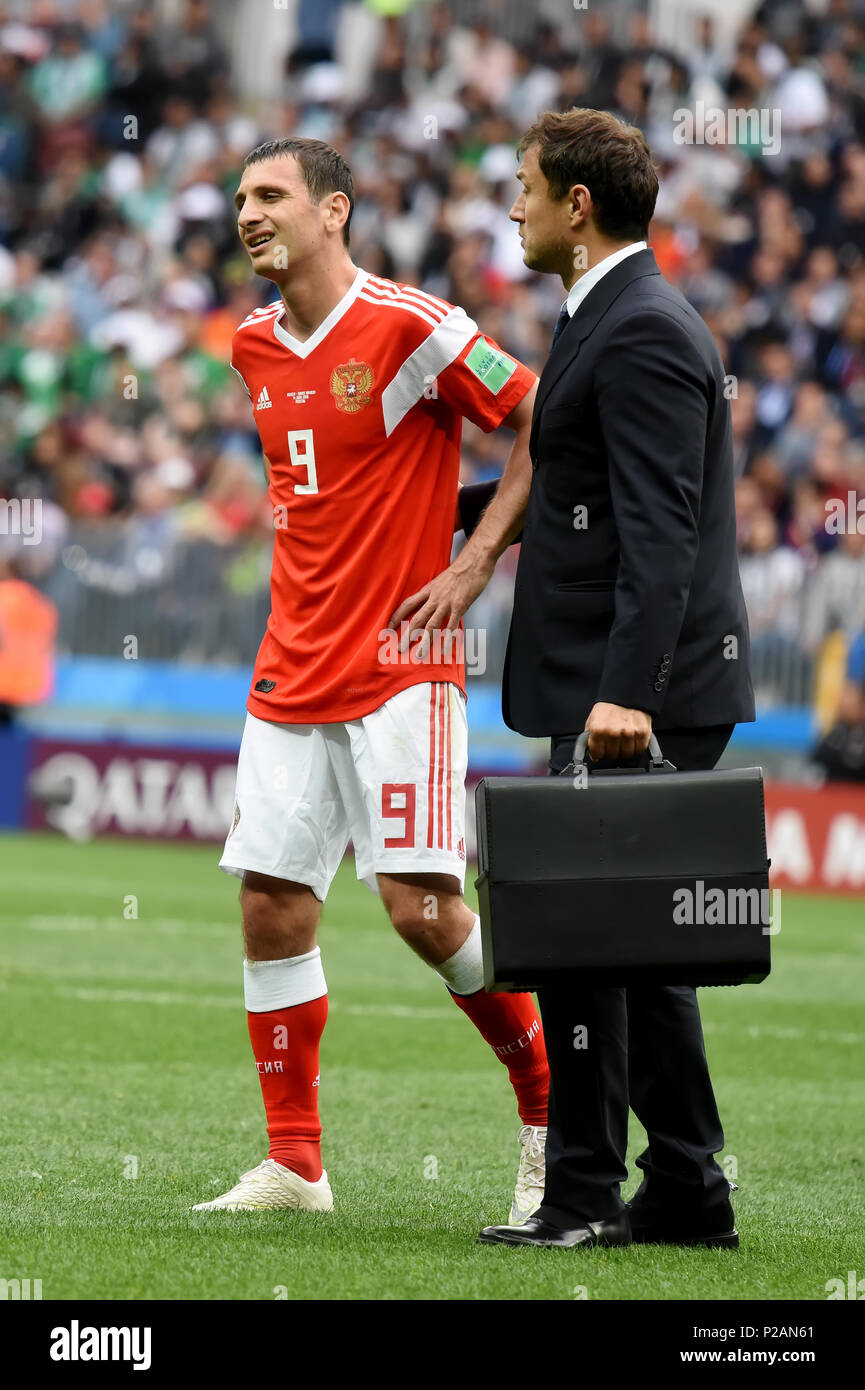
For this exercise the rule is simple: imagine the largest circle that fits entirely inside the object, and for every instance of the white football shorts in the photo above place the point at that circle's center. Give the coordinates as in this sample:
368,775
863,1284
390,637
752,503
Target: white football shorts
392,781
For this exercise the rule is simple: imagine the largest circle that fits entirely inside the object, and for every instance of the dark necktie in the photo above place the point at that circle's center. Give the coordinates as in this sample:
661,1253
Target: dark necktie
560,323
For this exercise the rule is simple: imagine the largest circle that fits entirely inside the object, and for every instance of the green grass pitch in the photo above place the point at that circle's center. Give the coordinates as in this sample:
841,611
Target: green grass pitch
128,1094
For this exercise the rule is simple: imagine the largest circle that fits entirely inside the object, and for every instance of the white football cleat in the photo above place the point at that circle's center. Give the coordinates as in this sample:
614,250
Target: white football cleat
270,1187
529,1191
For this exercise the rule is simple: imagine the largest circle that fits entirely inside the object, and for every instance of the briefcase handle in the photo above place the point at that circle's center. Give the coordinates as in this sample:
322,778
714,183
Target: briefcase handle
581,747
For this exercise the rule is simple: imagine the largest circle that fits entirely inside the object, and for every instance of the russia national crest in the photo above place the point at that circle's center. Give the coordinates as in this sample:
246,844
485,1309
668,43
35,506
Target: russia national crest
350,385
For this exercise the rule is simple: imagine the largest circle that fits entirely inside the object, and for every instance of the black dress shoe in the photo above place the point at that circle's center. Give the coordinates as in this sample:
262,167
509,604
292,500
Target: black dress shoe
615,1230
713,1226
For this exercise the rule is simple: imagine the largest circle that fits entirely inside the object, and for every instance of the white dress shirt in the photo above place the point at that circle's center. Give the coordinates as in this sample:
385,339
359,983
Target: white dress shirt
586,282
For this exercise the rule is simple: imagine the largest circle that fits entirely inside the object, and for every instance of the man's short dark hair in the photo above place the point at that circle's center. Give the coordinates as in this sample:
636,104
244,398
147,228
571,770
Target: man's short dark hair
324,169
611,158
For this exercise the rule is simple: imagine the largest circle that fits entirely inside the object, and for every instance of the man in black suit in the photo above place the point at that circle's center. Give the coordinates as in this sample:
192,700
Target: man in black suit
628,613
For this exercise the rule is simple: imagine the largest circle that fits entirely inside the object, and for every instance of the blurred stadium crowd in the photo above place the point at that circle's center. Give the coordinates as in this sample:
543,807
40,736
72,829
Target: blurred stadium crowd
121,281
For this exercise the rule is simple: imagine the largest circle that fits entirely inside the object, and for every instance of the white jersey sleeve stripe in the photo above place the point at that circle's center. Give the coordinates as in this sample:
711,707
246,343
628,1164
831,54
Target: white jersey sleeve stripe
408,292
442,347
401,304
414,300
383,284
259,315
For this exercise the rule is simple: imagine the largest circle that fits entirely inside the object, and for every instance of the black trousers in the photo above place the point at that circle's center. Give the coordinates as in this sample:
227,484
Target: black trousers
644,1050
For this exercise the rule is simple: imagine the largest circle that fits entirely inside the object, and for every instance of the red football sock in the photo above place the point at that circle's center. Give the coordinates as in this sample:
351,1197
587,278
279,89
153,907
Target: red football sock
285,1043
511,1026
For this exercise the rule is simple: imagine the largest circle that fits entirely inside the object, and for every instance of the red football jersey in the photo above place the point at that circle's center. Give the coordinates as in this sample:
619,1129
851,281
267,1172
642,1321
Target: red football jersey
361,425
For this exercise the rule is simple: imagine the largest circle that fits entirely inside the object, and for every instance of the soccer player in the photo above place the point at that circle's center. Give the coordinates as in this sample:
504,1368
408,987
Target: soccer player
359,386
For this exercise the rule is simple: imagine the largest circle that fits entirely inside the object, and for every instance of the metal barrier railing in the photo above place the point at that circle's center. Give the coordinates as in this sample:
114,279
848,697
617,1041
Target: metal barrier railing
191,599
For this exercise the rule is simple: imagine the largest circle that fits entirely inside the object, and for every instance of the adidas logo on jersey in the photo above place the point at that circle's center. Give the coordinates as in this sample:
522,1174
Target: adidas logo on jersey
264,402
461,848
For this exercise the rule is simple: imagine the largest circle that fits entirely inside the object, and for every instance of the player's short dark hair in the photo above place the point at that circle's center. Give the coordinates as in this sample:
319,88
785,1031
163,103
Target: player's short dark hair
610,157
324,169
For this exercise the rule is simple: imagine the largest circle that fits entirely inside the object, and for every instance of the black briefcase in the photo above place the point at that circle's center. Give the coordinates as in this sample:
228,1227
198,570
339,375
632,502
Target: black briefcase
625,875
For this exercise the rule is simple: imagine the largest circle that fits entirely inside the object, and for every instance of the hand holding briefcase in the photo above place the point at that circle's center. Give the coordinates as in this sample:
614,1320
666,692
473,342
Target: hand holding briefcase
626,875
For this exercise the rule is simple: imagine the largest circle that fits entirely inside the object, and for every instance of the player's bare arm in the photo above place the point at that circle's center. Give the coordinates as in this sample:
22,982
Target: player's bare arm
443,602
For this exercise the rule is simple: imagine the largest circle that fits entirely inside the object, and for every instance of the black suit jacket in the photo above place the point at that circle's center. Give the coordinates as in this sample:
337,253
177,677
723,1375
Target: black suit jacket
627,587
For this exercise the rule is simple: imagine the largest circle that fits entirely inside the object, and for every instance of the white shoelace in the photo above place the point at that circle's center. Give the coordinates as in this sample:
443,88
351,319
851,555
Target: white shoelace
533,1154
